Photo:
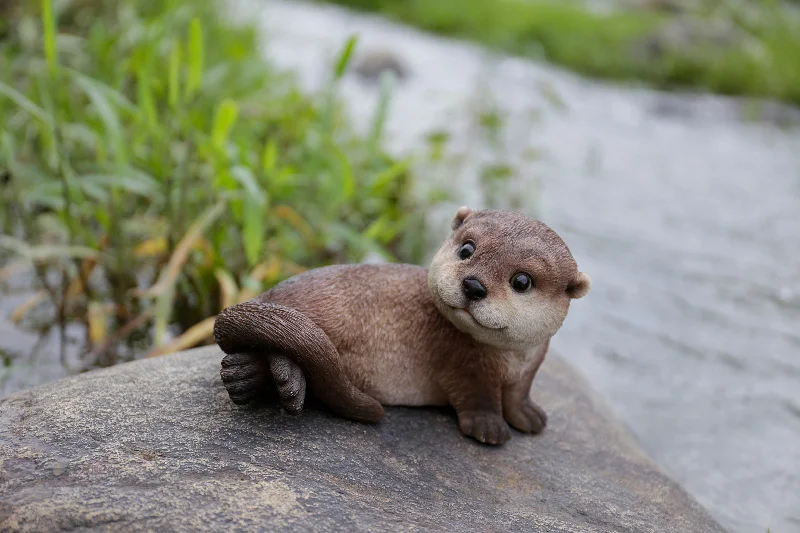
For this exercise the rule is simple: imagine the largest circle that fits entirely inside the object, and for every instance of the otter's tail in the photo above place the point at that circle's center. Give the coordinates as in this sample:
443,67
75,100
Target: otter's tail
260,328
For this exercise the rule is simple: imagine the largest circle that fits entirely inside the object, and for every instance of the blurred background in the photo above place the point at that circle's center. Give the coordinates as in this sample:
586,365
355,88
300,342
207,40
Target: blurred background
160,160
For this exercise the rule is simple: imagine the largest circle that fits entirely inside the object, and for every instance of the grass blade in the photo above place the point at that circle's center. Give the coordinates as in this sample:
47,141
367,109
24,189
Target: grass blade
196,58
122,333
382,230
247,180
128,180
252,284
96,317
192,337
294,219
181,253
381,112
163,306
347,183
270,157
229,292
144,96
175,75
108,115
344,57
253,233
49,26
151,248
25,104
224,119
384,180
25,307
45,252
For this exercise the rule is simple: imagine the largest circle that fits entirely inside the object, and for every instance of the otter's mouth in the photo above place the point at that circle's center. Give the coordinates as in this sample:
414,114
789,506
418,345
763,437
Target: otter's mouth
464,311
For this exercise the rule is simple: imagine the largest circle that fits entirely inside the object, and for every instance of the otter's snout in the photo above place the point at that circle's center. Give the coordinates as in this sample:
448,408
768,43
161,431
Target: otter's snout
473,289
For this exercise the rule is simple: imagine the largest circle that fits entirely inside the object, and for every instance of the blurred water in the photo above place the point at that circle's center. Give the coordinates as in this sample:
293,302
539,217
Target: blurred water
687,218
28,359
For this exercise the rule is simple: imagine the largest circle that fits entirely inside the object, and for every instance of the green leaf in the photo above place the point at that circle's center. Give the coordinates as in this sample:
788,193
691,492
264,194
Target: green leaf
344,57
108,115
7,147
103,217
127,180
196,57
356,241
247,180
94,192
347,183
174,75
224,119
45,252
80,134
253,234
381,112
380,185
24,103
49,25
144,94
382,230
270,157
169,274
116,97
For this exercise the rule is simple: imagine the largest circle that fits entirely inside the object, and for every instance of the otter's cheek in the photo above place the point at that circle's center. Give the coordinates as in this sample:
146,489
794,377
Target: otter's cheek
533,320
449,285
502,308
448,296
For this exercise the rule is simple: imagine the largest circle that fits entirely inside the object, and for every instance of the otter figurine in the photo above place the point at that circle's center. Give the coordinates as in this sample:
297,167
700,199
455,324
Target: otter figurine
470,332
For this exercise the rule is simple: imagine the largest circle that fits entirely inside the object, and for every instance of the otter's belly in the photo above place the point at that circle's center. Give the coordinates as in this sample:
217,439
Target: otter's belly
394,378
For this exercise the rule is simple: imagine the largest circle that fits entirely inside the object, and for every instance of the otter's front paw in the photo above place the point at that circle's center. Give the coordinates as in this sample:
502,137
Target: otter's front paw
486,427
527,417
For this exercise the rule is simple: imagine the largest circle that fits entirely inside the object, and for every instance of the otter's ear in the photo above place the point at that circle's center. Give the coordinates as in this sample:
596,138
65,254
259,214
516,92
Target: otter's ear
461,215
579,287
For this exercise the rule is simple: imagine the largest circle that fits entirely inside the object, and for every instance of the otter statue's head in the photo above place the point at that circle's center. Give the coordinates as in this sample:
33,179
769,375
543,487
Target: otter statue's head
505,279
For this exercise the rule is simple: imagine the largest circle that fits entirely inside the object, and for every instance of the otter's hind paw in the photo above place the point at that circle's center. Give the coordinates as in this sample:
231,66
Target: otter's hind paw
290,381
244,376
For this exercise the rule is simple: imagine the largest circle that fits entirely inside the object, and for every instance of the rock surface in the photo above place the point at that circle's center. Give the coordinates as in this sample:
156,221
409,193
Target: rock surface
156,445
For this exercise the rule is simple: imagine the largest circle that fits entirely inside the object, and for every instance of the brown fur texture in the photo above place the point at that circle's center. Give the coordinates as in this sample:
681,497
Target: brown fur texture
363,336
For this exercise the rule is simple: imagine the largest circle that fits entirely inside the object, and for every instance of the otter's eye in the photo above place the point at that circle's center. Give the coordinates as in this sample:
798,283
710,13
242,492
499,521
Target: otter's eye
466,250
521,282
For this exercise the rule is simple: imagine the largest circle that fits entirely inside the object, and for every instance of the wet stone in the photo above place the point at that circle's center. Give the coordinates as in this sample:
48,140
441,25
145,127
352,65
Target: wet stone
371,65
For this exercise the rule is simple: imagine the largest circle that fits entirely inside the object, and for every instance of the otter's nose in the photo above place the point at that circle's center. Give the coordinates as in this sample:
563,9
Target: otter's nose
474,289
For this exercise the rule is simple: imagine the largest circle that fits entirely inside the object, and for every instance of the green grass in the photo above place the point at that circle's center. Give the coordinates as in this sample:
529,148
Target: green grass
608,45
154,169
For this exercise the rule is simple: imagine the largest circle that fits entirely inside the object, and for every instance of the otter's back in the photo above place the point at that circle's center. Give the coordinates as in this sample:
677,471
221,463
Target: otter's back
383,322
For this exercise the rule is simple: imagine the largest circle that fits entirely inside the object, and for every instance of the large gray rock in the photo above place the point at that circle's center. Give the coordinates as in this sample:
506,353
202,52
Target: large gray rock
156,445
